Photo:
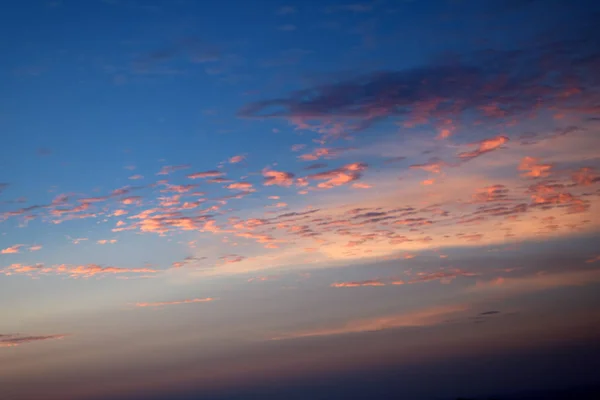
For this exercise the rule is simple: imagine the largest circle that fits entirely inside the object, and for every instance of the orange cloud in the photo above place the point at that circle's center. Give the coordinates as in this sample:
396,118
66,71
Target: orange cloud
433,166
593,259
278,178
236,159
240,186
171,303
107,241
205,174
373,282
72,271
232,258
485,146
36,247
339,176
419,318
534,168
14,249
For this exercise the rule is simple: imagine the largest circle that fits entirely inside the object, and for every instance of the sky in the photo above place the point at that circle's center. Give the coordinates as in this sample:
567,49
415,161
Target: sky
303,199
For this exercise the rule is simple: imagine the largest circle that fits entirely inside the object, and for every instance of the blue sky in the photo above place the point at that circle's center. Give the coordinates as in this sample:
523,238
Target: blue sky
248,189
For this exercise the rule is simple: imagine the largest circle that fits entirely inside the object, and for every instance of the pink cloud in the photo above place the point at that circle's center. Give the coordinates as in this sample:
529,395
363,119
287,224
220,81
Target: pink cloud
136,177
433,166
278,178
36,247
236,159
533,168
339,176
205,174
232,258
14,249
485,146
176,302
240,186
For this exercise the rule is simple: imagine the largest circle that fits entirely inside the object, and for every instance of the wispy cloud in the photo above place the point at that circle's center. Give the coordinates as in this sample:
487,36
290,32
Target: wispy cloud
11,340
419,318
176,302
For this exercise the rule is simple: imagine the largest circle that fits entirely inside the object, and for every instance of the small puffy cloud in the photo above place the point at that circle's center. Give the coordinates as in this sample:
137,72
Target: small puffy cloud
14,249
533,168
236,159
360,185
278,178
339,176
298,147
240,186
107,241
35,247
136,177
118,213
176,302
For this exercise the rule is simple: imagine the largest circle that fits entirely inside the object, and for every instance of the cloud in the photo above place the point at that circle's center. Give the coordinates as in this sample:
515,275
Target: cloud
176,302
446,88
373,282
72,271
540,281
36,247
489,313
278,178
232,258
169,169
533,168
240,186
339,176
434,166
593,259
11,340
323,152
485,146
107,241
419,318
236,159
14,249
136,177
205,174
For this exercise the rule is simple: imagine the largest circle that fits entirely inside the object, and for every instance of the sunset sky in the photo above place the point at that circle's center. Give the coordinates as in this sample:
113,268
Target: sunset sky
217,197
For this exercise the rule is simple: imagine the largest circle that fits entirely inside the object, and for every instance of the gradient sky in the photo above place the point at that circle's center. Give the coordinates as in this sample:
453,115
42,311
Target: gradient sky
202,197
